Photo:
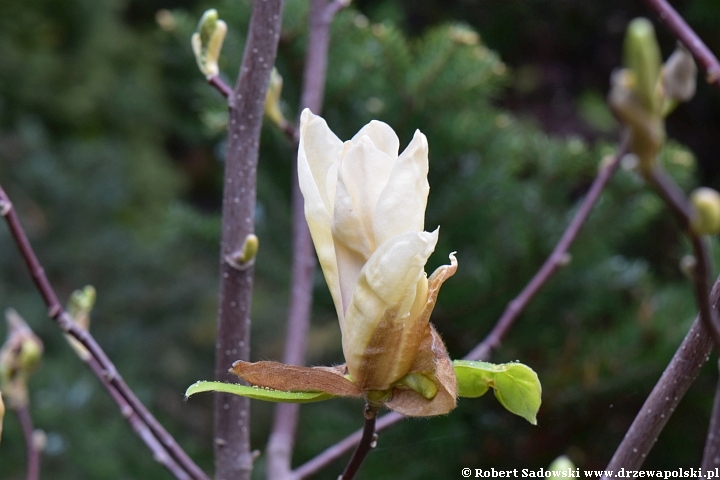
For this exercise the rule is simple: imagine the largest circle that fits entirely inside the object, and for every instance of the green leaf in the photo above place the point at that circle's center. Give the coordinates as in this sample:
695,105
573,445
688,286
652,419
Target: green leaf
257,393
516,386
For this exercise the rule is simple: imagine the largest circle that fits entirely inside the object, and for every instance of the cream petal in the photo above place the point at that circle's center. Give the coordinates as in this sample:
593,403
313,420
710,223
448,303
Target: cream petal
317,152
398,264
378,315
349,264
362,175
382,136
319,148
401,204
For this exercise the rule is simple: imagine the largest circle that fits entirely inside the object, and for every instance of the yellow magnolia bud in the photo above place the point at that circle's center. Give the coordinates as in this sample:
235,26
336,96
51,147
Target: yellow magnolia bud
642,58
706,218
207,42
272,99
365,206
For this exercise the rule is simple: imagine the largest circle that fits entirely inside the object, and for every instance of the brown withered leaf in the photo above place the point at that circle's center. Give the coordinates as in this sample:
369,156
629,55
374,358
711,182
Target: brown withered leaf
292,378
434,362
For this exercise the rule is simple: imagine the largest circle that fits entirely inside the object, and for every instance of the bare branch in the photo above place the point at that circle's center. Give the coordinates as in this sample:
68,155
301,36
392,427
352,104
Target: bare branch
691,355
669,191
233,459
679,27
101,364
367,443
220,85
31,447
711,452
160,454
666,395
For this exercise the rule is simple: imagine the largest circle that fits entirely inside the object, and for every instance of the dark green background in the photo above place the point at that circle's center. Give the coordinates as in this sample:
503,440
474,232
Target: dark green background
111,146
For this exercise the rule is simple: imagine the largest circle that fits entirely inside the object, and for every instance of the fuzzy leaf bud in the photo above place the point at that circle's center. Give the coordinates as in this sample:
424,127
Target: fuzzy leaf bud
207,42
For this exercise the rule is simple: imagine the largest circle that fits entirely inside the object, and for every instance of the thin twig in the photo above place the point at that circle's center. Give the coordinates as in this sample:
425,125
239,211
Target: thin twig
666,395
681,371
106,373
220,85
32,451
484,349
233,459
711,453
332,453
160,454
642,436
679,27
282,437
367,443
675,199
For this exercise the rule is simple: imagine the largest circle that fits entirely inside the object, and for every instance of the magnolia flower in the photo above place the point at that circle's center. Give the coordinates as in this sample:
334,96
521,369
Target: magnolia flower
365,207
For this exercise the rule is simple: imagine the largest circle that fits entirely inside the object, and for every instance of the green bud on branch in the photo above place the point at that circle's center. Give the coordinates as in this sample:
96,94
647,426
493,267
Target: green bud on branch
207,42
706,215
79,307
272,100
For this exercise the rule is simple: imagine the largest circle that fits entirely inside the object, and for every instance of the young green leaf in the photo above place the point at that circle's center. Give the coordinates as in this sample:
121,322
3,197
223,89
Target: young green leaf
516,386
257,393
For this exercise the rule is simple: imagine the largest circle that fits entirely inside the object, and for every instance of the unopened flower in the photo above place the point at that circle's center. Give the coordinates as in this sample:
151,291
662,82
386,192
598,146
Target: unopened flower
365,206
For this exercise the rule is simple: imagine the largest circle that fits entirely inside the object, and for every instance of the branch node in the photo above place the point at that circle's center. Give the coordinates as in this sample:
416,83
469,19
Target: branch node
54,312
244,258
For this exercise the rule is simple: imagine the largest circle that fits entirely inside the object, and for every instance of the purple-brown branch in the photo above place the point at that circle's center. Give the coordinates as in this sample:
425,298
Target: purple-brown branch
32,452
220,85
105,370
484,349
712,445
329,455
691,355
666,395
682,31
160,454
675,199
282,436
367,443
233,459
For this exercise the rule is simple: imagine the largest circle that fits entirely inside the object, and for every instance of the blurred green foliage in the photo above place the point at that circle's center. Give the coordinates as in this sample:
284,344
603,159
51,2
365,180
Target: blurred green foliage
111,146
